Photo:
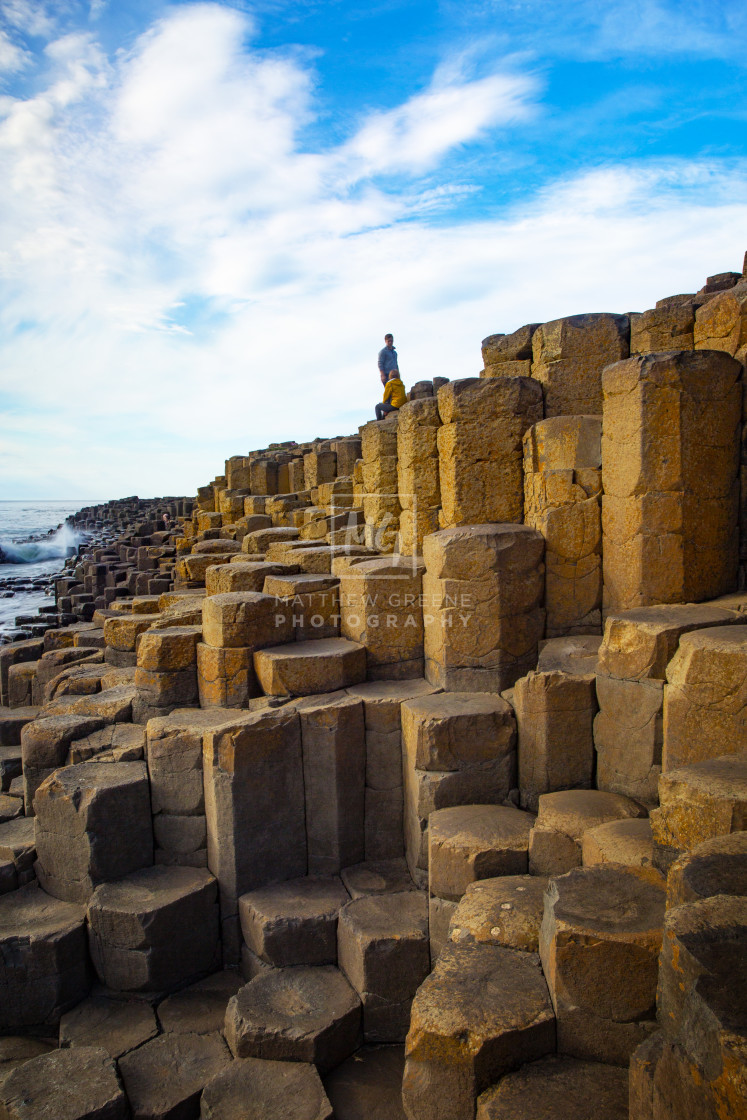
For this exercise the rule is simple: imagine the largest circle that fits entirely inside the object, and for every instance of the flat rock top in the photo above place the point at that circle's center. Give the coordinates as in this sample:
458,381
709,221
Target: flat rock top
377,877
368,1086
503,911
391,692
555,1089
607,899
725,777
171,1070
489,826
730,639
62,726
302,584
316,648
150,888
670,616
446,705
573,811
296,1002
388,916
575,655
200,1008
272,1090
17,834
117,1026
90,776
186,719
19,715
29,914
477,991
309,897
64,1085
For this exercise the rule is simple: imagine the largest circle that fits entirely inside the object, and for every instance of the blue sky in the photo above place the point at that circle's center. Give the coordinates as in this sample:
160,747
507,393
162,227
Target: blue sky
210,213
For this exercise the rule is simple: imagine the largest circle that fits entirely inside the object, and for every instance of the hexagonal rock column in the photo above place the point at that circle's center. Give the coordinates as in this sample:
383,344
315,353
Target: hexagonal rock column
628,731
384,876
226,578
314,602
295,1014
383,950
17,849
668,326
480,449
155,930
380,497
555,718
717,866
93,824
166,673
384,805
47,941
44,747
555,1088
697,803
482,591
334,770
254,805
459,749
508,355
78,1084
121,634
563,818
294,922
381,607
235,624
277,1090
165,1077
306,668
562,485
705,699
417,472
467,843
701,1000
174,749
568,356
599,944
201,1007
483,1011
669,519
504,911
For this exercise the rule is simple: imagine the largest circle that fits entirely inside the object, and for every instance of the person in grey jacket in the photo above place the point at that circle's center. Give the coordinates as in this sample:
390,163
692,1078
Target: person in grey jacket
387,358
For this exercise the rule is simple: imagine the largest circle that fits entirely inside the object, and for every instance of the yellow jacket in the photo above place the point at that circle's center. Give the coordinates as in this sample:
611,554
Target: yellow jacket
394,392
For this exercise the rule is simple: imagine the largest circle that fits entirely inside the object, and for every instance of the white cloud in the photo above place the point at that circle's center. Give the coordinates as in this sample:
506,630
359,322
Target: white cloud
182,279
12,57
31,16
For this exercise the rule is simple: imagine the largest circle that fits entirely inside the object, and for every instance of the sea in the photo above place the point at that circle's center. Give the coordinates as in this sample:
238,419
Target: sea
34,542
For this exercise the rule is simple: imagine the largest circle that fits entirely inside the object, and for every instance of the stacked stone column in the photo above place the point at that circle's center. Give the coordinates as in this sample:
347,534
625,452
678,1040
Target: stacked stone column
562,484
670,455
417,471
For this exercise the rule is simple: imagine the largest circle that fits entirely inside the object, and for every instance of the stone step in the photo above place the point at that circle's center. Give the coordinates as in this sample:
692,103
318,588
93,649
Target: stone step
717,866
562,820
697,803
93,824
555,1089
155,930
504,911
386,876
116,1025
276,1090
75,1084
46,940
294,923
12,720
165,1077
368,1086
307,668
201,1007
467,843
383,950
482,1012
628,842
295,1014
599,944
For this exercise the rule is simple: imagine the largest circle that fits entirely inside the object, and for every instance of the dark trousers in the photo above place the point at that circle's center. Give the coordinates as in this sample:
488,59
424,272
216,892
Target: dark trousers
383,409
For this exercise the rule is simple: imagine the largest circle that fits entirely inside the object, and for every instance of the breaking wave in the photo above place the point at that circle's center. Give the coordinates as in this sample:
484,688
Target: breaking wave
60,545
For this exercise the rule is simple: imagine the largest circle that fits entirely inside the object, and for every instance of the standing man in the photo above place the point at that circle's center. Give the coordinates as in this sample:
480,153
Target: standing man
387,358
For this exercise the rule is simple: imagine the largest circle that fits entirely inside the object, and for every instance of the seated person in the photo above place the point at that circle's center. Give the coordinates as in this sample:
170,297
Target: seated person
394,395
